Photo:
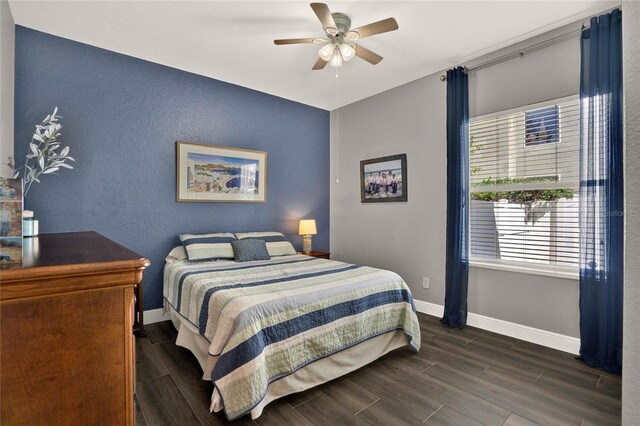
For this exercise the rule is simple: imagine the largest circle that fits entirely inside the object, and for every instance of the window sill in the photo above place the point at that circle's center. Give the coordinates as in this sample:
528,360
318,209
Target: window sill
564,273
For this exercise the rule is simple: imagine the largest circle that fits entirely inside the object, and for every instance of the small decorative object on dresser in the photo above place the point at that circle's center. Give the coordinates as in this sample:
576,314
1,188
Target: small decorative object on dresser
66,319
307,228
209,173
30,224
10,220
384,179
316,253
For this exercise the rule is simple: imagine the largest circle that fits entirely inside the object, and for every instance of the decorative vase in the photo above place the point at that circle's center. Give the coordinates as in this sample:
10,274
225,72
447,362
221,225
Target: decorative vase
30,224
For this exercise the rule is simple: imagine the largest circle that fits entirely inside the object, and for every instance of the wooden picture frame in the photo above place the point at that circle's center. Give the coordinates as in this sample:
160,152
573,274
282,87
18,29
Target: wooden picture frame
376,186
219,174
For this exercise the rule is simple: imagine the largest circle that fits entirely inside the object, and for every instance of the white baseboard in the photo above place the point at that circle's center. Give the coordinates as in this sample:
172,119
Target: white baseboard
155,315
429,308
518,331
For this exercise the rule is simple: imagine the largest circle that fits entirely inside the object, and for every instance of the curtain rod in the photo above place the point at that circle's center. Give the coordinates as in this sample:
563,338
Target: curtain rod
520,52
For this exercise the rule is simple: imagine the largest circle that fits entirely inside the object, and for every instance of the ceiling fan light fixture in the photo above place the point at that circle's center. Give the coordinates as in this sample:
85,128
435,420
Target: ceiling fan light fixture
353,35
347,51
337,42
326,52
336,59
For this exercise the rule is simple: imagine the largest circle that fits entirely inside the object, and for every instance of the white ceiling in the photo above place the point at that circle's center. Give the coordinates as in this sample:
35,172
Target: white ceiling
232,40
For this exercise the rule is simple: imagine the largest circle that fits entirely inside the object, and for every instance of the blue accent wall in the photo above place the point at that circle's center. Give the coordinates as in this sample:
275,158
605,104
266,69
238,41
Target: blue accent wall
122,117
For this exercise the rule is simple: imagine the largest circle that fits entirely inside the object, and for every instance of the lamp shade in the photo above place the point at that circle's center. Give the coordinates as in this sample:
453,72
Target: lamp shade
307,227
336,59
347,51
326,52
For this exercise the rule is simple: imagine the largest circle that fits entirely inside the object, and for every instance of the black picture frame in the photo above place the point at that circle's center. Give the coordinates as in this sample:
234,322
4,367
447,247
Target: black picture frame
380,188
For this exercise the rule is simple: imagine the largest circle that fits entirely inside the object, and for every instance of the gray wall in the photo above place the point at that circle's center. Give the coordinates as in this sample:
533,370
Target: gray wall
409,238
537,301
631,344
7,45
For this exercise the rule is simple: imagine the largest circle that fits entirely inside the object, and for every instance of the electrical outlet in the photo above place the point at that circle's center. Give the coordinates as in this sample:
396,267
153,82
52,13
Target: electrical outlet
425,282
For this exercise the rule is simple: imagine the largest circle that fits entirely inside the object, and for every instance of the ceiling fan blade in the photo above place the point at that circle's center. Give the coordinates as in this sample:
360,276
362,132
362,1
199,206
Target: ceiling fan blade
320,64
293,41
367,55
384,26
324,15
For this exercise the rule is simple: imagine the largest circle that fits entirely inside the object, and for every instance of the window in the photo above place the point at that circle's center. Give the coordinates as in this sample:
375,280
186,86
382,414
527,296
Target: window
524,167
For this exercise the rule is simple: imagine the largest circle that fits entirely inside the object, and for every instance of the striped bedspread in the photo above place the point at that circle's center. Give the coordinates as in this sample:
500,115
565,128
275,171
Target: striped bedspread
267,319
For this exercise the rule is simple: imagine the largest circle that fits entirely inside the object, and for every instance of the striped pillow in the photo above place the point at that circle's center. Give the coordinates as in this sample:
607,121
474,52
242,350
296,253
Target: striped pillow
176,254
277,244
208,246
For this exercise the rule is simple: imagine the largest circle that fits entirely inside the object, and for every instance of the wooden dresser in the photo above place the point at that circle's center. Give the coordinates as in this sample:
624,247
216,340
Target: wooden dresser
66,342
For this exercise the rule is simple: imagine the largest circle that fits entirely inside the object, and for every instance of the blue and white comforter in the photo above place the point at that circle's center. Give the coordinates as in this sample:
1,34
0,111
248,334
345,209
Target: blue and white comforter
267,319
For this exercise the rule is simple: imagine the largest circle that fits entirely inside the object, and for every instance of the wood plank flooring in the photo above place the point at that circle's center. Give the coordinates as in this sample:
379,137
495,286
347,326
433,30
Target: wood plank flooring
459,377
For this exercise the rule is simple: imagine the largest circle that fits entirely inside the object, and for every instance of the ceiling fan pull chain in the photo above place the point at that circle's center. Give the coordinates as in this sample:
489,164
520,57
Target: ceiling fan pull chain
337,128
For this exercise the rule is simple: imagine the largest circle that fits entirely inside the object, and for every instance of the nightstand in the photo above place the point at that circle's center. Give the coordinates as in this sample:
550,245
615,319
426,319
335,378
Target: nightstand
315,253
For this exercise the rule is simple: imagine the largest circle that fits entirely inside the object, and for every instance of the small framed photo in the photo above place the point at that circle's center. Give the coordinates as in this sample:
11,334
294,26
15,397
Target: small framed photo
209,173
542,126
384,179
10,220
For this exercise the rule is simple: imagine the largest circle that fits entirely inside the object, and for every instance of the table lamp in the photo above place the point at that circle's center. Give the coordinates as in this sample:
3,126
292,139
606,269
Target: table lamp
307,229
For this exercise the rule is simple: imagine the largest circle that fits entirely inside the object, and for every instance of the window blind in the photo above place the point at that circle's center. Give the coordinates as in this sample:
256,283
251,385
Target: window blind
524,166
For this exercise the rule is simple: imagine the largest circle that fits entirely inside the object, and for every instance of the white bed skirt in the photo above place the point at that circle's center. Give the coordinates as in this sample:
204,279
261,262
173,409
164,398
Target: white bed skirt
316,373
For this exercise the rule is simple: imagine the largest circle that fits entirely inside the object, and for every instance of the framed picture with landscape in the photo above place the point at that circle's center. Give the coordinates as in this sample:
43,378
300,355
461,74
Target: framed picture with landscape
384,179
209,173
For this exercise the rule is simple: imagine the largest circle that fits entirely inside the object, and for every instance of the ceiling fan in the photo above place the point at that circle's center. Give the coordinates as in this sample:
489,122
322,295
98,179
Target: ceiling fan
339,43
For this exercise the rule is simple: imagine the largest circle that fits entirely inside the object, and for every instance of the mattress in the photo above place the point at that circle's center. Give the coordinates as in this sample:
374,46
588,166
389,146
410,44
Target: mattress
262,323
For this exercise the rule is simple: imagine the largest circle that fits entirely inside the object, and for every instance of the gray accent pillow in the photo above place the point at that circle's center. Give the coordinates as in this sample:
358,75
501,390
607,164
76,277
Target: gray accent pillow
250,249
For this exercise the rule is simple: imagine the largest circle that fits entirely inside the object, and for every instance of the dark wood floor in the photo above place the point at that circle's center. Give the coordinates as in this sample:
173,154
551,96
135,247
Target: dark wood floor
459,377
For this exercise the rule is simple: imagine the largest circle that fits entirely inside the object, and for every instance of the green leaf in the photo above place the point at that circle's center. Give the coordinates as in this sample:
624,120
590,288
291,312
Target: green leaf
51,170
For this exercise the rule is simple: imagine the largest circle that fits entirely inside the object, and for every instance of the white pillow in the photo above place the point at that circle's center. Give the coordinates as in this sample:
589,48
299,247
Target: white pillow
176,254
277,244
208,246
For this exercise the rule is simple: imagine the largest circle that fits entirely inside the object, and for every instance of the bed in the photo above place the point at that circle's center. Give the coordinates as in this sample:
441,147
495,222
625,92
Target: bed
265,329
